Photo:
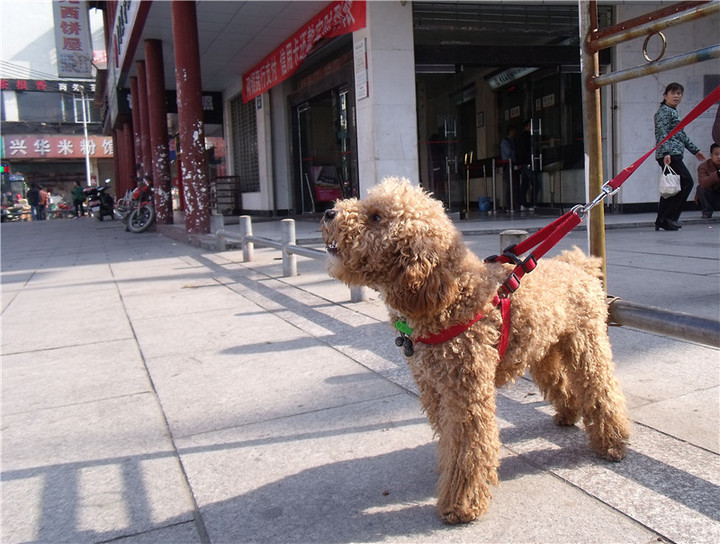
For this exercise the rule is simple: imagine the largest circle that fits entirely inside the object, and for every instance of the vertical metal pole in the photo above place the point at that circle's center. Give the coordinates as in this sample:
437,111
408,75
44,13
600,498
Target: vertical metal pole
246,230
85,133
510,177
494,199
288,238
589,65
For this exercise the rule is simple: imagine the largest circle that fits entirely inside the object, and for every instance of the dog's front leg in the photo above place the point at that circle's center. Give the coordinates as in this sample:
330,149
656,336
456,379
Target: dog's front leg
468,450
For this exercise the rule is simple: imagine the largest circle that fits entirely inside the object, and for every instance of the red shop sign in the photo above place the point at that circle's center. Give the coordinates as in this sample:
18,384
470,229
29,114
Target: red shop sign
340,17
26,146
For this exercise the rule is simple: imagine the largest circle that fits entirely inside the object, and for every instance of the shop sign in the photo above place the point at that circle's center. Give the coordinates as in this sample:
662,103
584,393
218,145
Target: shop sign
212,106
340,17
35,146
506,76
72,39
45,85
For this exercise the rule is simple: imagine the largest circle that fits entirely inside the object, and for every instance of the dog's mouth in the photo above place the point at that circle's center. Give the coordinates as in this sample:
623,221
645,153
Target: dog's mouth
332,248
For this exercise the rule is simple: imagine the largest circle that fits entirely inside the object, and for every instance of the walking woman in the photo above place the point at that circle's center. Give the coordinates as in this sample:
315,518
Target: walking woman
671,154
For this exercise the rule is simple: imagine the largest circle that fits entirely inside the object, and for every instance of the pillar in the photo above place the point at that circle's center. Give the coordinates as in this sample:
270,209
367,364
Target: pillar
117,138
137,138
190,117
592,133
157,116
387,117
126,154
144,118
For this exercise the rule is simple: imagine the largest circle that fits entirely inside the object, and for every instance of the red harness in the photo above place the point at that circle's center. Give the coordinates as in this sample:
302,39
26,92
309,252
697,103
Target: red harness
455,330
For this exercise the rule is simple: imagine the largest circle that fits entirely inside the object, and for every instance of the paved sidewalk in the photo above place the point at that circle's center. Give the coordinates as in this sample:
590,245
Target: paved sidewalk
153,391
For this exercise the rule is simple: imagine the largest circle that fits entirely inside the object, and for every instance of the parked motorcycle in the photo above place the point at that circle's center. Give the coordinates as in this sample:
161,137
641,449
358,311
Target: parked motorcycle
99,202
139,211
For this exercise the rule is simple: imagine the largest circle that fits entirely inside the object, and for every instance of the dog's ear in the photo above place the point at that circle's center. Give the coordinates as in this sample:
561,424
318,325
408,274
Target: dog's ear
422,281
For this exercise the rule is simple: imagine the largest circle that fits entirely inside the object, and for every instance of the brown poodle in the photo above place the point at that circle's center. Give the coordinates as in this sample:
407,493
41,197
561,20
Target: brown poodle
401,242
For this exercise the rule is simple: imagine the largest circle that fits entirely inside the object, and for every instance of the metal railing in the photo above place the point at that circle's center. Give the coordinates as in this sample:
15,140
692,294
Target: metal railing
621,313
287,244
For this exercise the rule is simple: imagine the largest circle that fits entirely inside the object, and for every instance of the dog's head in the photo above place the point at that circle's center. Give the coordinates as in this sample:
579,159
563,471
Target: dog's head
395,241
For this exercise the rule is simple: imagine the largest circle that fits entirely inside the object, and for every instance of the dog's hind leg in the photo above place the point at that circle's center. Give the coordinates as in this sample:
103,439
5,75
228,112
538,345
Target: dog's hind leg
551,378
590,371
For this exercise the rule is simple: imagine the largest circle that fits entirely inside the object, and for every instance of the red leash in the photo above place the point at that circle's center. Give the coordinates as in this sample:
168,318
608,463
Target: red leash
547,237
543,240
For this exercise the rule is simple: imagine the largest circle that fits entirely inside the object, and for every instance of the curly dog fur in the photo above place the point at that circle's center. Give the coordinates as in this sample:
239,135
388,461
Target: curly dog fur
400,242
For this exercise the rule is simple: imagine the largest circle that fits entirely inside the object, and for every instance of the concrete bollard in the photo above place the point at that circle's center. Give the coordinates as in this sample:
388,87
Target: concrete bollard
246,230
358,294
288,238
510,237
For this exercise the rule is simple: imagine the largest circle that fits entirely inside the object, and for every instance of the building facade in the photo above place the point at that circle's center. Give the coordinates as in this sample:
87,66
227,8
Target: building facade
321,100
51,130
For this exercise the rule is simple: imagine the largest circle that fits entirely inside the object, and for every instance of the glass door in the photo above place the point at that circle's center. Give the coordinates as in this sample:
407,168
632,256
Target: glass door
557,129
326,158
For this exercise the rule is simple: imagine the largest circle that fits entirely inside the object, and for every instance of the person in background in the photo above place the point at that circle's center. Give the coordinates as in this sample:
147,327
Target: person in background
33,199
43,202
671,154
708,191
78,198
527,174
508,153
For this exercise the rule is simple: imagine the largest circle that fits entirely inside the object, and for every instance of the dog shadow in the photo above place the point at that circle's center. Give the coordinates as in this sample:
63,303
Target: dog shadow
358,500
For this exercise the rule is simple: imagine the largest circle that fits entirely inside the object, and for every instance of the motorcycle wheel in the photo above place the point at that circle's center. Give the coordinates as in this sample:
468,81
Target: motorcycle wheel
140,219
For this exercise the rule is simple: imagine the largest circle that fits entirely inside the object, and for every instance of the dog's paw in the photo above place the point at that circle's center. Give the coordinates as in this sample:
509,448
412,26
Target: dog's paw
614,453
565,419
453,517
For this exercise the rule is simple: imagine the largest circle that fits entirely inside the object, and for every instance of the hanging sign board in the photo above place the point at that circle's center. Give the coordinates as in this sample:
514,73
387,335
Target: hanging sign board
340,17
72,39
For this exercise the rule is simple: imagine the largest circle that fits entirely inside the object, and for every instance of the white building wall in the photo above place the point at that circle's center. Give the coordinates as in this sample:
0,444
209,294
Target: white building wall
638,99
387,118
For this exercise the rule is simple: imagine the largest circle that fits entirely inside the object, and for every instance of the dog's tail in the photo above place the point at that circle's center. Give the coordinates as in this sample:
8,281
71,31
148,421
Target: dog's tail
576,257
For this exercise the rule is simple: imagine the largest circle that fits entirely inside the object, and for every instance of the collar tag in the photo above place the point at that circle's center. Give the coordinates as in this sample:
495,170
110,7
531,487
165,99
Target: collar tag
403,327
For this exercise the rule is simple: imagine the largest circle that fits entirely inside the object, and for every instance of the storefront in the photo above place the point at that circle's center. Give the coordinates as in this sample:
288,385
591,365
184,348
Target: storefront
324,132
482,69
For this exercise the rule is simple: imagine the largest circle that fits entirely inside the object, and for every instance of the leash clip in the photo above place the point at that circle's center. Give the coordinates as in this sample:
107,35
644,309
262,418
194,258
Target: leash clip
605,191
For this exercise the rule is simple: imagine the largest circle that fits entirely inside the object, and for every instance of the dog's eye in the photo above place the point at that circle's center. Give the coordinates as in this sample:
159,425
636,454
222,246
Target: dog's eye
376,218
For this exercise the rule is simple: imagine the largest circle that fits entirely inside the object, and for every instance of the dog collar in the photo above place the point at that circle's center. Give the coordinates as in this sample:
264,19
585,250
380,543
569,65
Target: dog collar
455,330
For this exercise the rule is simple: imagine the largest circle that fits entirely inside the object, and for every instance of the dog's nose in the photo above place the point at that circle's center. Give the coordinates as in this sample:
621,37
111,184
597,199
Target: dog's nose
329,215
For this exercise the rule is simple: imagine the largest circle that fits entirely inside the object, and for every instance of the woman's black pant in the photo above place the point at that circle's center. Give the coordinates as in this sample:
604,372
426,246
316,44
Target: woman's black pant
669,208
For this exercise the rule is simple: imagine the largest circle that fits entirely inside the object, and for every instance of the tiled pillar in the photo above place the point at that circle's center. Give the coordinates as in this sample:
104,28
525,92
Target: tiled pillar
144,118
190,118
157,118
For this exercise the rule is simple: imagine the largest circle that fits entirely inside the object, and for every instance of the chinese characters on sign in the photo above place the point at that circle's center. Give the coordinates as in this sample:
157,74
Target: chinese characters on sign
340,17
56,147
42,85
72,39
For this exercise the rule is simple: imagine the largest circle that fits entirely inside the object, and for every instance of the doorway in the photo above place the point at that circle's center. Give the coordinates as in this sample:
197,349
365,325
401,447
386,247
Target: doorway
325,155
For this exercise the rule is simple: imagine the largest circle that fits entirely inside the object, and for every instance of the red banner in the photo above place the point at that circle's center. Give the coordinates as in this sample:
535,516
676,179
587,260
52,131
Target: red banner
340,17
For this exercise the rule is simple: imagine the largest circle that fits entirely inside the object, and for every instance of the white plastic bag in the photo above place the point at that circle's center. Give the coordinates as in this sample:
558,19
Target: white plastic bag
669,184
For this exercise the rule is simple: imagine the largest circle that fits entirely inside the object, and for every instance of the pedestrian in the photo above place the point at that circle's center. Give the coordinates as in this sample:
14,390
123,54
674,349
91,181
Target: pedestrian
33,199
43,202
508,153
708,191
671,154
527,174
78,198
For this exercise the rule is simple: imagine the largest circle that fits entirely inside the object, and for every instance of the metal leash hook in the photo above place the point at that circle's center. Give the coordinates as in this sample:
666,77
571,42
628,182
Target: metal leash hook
606,190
